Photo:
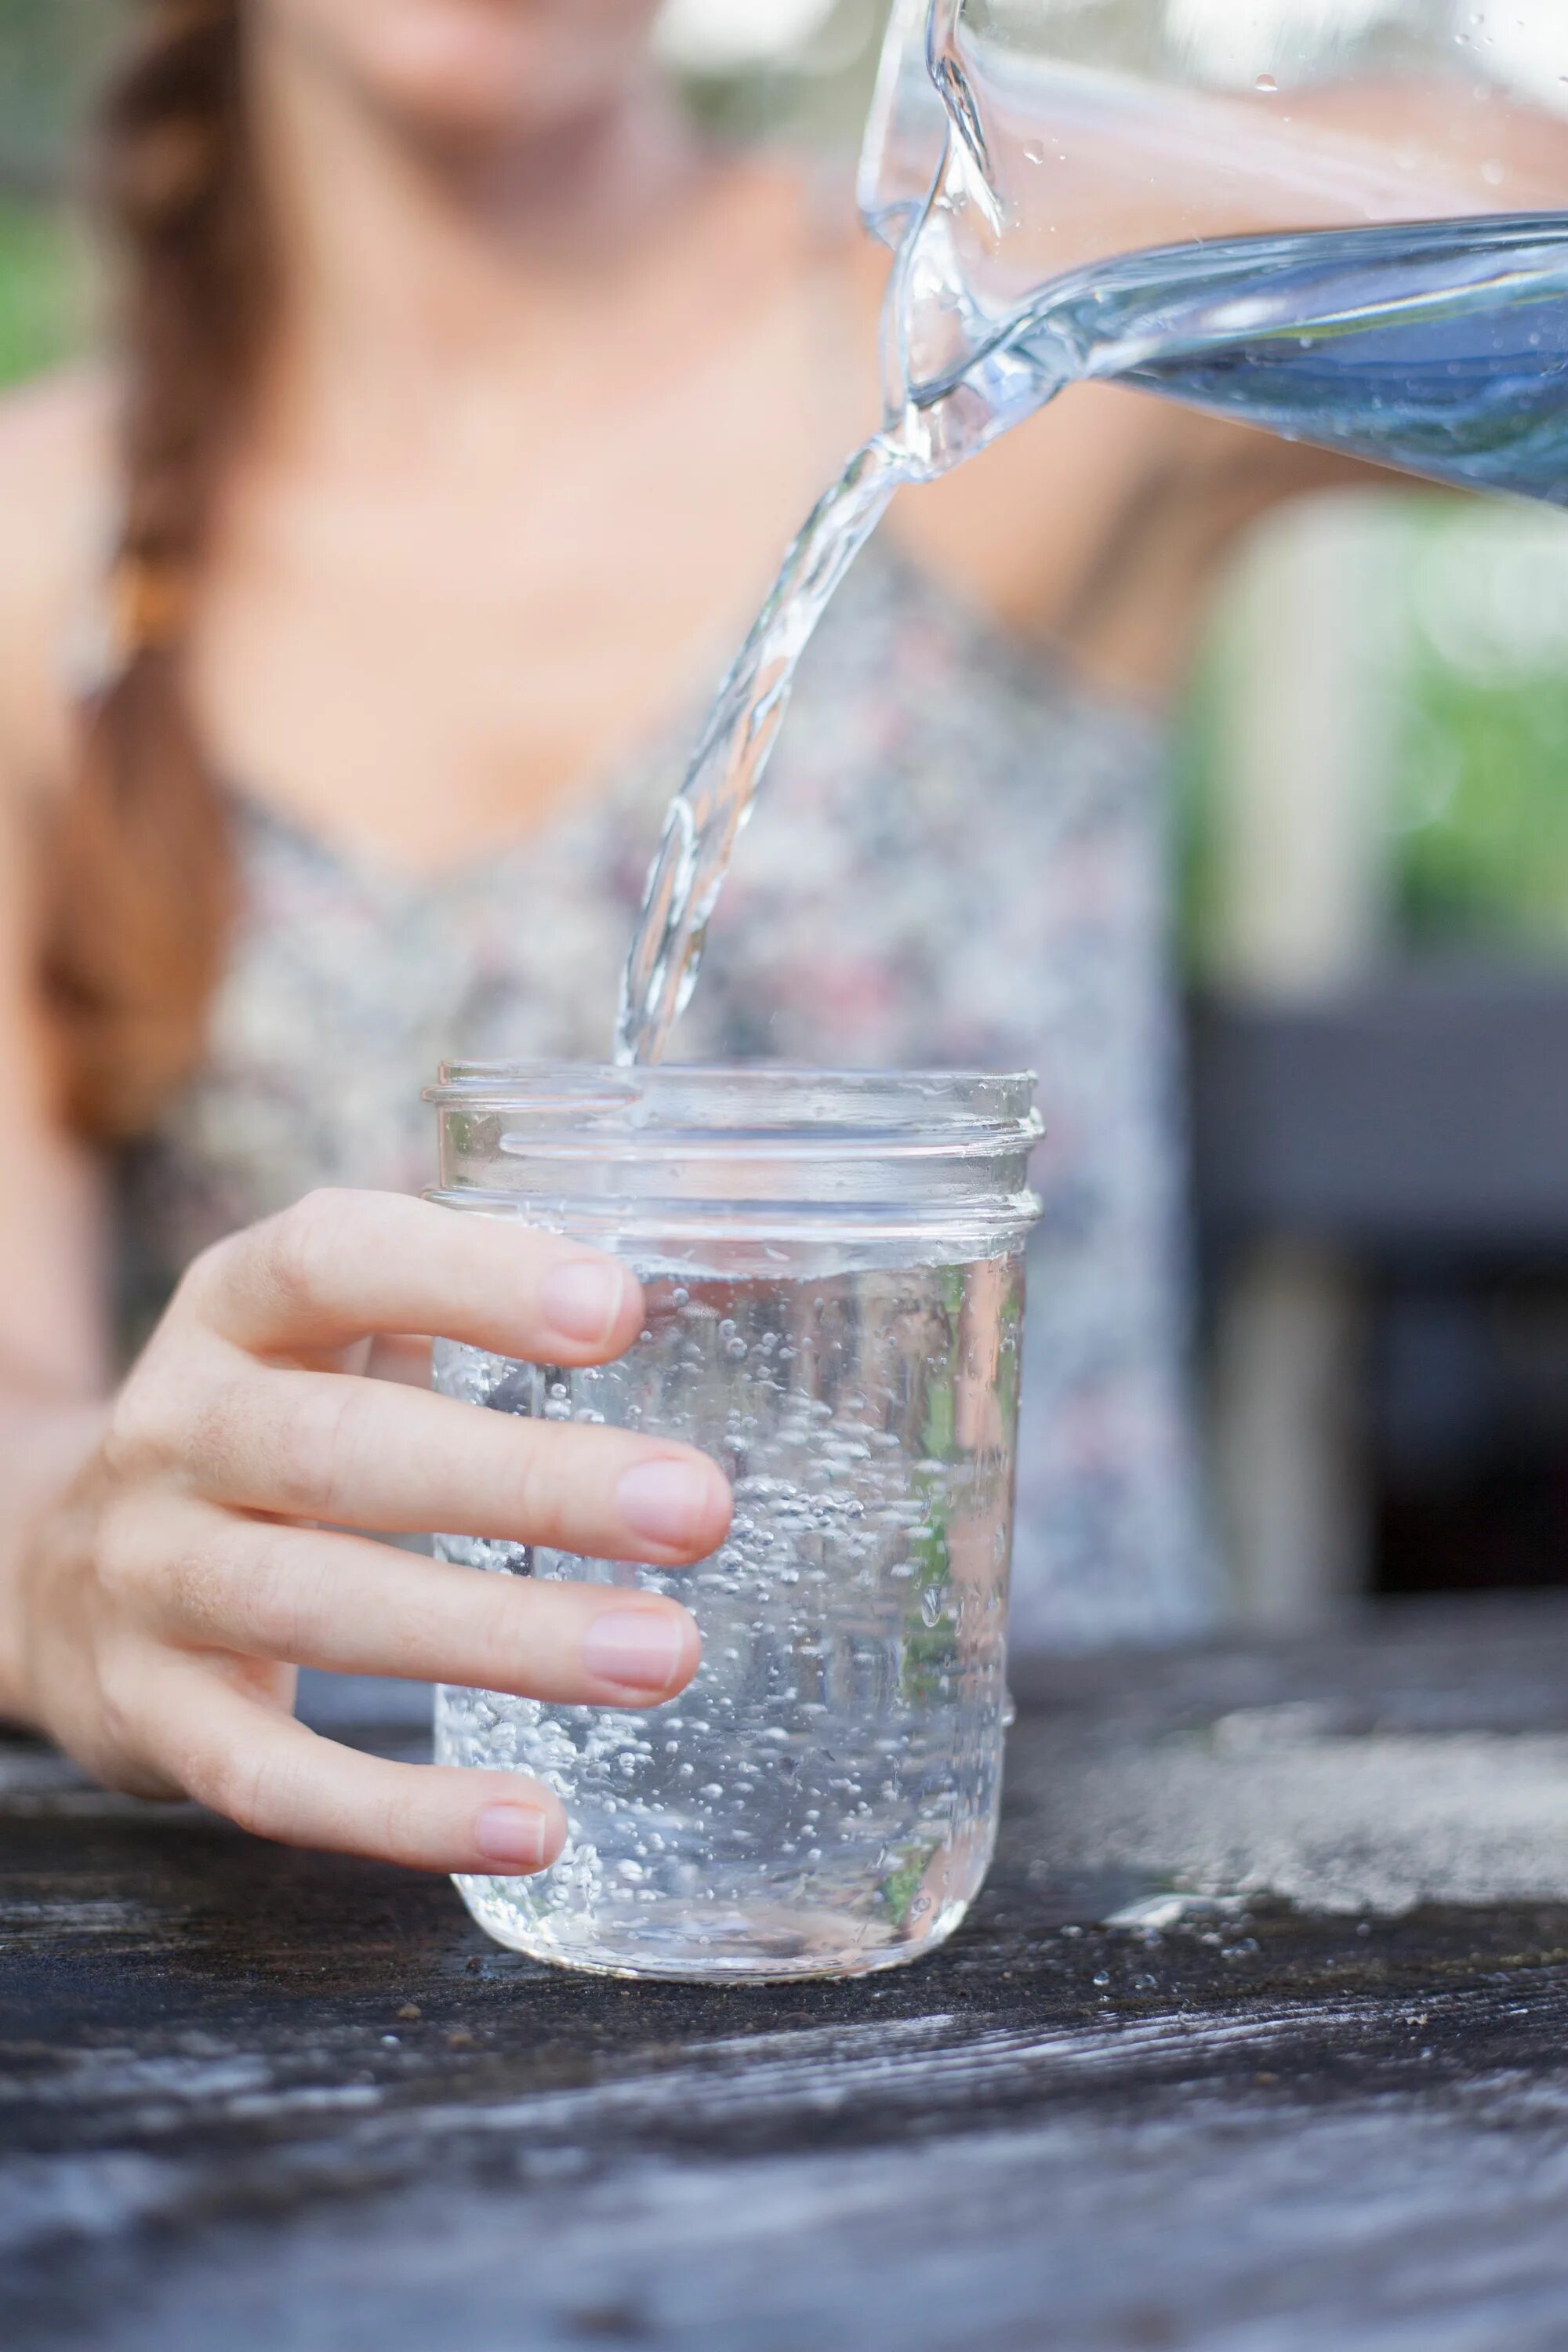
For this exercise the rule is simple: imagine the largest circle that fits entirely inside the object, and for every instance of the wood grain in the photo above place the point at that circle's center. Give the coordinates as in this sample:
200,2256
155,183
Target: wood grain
273,2100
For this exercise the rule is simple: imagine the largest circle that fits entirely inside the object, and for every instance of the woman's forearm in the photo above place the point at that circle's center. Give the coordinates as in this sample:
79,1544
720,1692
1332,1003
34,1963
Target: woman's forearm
43,1445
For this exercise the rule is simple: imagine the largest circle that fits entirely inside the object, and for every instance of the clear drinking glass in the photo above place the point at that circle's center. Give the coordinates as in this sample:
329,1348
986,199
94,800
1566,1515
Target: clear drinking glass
1340,219
835,1300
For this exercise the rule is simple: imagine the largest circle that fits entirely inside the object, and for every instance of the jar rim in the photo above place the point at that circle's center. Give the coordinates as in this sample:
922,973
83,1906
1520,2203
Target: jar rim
902,1098
744,1153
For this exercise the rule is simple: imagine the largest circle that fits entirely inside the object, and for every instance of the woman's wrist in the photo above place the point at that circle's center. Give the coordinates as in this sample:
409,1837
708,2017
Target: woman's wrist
42,1449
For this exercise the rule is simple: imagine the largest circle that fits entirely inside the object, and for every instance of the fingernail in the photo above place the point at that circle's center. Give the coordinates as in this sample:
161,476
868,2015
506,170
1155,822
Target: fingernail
512,1837
585,1301
638,1649
667,1503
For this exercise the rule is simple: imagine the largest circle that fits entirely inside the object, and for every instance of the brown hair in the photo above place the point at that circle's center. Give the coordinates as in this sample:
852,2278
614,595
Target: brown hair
138,890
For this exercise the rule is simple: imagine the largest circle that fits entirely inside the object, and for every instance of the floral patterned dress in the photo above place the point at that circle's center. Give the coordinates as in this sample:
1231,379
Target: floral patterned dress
959,860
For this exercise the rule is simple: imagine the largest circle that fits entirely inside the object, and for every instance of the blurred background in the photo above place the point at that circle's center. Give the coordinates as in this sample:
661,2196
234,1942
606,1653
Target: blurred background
1373,852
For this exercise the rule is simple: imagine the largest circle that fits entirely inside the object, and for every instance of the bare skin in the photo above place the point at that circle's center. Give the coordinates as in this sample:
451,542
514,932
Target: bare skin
167,1597
548,377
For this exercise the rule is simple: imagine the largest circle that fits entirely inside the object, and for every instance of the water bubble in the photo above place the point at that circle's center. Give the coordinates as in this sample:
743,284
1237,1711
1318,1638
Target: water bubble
1267,83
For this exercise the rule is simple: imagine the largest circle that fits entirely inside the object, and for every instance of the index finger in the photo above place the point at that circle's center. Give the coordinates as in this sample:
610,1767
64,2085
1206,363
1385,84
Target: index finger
340,1267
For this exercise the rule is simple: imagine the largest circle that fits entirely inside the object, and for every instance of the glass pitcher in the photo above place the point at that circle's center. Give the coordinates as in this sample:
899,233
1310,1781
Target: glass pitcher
1338,219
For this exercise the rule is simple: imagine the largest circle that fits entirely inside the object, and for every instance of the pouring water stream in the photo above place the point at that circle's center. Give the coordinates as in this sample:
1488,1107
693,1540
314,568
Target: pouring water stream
1438,345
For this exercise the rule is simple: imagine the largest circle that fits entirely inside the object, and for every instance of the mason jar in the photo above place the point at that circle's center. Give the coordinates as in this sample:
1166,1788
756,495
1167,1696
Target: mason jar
834,1266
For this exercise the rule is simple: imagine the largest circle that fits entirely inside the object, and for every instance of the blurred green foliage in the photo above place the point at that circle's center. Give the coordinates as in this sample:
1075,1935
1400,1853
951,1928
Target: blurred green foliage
1490,868
51,54
1195,821
41,301
1471,834
1479,797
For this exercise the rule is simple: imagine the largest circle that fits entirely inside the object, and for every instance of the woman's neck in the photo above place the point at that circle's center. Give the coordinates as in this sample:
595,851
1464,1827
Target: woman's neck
408,271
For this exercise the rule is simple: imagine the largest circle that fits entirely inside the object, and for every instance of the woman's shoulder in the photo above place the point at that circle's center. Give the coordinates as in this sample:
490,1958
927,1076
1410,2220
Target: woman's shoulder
55,487
55,451
55,436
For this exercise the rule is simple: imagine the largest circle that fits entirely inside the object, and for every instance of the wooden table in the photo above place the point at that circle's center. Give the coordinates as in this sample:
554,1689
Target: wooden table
258,2099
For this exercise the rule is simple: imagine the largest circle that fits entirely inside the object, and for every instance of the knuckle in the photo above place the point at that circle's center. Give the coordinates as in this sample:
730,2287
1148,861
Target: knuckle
284,1590
381,1821
140,1434
194,1585
507,1616
205,1276
220,1435
120,1743
465,1628
245,1788
124,1556
535,1487
305,1242
315,1445
119,1758
132,1780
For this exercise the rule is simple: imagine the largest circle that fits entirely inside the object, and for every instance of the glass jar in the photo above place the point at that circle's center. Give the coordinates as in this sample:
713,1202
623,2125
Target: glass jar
834,1277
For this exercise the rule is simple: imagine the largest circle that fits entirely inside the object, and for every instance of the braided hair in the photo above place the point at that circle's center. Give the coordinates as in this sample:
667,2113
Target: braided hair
139,891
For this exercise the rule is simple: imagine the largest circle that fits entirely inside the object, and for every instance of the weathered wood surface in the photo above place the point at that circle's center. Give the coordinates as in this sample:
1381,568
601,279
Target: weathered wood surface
269,2100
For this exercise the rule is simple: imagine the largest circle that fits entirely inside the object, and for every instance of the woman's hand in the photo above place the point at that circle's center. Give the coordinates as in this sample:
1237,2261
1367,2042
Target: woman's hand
166,1600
